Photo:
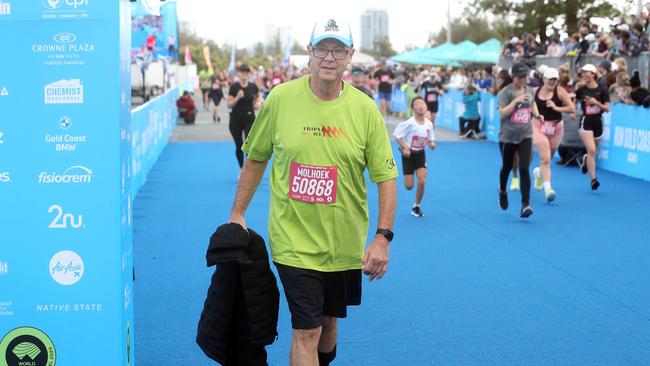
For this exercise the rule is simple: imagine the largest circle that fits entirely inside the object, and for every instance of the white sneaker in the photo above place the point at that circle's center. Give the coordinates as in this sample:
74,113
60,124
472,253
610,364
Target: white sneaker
539,184
514,184
549,195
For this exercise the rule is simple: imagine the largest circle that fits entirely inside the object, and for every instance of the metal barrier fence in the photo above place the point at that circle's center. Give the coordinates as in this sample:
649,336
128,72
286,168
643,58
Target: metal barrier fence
640,63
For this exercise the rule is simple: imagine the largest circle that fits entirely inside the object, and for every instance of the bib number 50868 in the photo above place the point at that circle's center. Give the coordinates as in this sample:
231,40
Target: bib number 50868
312,187
312,184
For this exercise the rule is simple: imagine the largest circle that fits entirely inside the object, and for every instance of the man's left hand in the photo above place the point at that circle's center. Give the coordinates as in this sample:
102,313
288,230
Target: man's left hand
375,260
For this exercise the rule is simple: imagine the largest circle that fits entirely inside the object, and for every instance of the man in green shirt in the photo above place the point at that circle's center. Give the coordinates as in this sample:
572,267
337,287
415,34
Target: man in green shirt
323,134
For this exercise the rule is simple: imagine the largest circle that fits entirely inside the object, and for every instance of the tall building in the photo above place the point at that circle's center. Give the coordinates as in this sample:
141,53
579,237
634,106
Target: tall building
374,24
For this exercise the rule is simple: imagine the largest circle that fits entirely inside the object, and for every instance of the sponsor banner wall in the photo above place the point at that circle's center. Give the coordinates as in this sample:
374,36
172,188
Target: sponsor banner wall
65,255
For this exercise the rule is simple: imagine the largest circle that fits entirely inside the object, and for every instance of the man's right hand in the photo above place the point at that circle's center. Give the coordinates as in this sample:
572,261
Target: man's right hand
406,152
238,219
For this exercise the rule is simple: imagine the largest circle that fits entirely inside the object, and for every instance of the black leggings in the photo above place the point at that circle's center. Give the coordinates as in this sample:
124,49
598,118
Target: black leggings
240,125
508,150
469,124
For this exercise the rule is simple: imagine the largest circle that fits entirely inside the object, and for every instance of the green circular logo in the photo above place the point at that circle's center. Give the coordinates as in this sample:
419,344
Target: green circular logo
27,346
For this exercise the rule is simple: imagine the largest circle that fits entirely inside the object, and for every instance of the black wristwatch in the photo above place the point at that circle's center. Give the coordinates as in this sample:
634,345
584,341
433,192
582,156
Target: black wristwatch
387,233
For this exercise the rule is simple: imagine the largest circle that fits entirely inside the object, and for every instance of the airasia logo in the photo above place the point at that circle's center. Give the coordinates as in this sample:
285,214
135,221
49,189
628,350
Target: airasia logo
58,4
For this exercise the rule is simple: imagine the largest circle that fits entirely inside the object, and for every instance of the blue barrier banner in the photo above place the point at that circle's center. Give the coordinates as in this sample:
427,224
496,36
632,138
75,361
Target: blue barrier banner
152,124
65,254
625,146
490,116
450,107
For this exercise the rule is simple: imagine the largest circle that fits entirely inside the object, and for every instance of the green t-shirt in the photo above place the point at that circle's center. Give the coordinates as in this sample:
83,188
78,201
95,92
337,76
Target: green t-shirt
319,213
204,78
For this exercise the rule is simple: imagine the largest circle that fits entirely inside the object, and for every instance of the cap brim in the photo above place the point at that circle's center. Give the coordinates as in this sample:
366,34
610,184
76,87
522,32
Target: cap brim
347,42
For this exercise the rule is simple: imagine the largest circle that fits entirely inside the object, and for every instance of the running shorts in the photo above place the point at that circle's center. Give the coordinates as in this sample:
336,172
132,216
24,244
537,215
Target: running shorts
595,126
312,294
414,162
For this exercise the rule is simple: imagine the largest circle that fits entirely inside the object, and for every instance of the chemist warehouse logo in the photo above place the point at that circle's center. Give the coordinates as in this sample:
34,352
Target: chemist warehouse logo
324,131
64,92
77,174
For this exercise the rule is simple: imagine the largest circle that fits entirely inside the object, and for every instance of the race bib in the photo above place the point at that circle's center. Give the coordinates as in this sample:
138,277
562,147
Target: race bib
418,143
592,109
548,128
312,184
520,115
384,78
432,97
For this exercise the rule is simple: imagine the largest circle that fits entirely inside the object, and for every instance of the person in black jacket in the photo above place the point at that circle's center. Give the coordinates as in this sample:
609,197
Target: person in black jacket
240,314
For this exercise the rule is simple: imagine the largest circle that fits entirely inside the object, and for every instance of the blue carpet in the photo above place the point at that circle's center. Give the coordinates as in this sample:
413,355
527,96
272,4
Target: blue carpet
468,284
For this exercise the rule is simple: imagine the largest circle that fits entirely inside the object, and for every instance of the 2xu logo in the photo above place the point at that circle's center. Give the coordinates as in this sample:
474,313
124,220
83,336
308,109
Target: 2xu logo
64,221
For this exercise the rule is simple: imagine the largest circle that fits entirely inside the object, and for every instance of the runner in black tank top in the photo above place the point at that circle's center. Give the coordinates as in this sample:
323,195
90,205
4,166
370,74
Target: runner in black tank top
594,101
551,102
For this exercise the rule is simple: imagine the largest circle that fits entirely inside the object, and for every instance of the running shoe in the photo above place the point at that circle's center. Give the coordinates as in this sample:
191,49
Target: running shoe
549,195
539,184
583,167
595,184
503,200
514,184
526,211
417,212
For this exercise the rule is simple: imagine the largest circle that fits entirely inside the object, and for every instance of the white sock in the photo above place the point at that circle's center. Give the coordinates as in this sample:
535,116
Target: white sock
416,205
547,185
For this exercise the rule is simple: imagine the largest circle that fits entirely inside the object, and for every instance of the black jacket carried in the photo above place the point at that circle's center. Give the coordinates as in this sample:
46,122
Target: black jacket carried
240,314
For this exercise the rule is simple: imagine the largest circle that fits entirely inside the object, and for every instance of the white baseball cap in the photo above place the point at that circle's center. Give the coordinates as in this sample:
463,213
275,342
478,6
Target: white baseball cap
589,67
542,69
331,28
551,73
590,37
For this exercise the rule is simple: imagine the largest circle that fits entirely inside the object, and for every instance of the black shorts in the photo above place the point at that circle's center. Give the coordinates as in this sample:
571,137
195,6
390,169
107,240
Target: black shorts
414,162
432,107
593,125
312,294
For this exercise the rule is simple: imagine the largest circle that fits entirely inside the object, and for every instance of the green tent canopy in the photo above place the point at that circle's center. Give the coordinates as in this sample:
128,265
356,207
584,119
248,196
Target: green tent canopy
421,56
486,52
450,52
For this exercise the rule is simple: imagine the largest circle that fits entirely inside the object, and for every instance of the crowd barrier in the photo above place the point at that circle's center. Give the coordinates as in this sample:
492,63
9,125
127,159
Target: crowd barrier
640,63
625,145
151,125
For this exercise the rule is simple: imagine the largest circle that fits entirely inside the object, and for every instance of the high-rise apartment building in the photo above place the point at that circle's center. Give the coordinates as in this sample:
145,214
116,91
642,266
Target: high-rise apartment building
374,24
